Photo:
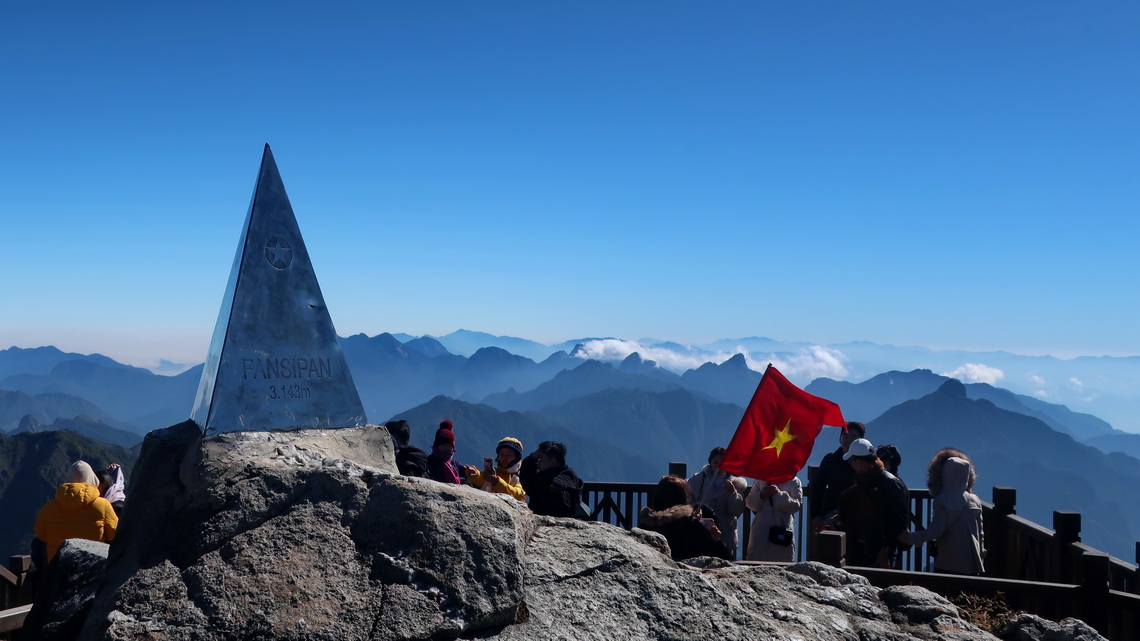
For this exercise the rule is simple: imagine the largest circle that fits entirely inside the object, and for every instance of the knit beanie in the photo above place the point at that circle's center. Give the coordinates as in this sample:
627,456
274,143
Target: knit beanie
444,436
446,424
512,443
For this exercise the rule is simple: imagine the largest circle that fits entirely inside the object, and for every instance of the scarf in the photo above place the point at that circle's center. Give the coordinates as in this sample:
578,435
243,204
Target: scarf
450,474
509,474
117,491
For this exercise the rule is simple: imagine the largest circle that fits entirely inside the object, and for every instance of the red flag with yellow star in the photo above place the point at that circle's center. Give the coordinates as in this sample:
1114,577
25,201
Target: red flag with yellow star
776,435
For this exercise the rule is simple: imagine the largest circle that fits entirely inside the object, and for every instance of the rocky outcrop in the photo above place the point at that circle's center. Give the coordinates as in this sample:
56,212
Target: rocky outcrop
310,535
66,590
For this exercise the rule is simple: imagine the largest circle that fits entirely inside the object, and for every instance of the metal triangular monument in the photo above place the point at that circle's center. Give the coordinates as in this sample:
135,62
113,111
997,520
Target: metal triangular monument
274,361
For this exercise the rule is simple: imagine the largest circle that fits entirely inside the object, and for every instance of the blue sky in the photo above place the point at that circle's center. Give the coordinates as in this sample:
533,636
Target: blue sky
944,174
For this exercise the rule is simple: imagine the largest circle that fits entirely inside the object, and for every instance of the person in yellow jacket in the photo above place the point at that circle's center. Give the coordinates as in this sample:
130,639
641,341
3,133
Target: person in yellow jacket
504,477
76,512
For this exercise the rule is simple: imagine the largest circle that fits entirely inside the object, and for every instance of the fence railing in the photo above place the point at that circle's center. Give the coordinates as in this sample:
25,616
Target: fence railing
15,594
1049,572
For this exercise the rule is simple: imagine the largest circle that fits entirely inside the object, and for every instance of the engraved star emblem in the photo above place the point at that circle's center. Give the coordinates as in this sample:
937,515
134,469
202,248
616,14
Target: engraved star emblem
278,252
782,437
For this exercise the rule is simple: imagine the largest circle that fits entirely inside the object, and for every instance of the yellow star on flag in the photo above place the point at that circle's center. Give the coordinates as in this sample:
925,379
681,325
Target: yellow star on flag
782,436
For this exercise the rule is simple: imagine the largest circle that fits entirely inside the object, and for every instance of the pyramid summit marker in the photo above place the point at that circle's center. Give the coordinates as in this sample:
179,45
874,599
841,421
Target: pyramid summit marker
274,360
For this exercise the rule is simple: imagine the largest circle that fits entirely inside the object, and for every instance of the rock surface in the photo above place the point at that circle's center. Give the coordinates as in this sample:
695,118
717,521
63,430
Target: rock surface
311,535
66,591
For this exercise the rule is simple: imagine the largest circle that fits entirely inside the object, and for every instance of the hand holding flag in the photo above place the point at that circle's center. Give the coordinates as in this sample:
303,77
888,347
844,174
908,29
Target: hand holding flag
776,435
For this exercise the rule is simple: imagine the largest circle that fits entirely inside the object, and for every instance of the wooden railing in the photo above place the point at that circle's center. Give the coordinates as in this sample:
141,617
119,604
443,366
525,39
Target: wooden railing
1045,571
15,594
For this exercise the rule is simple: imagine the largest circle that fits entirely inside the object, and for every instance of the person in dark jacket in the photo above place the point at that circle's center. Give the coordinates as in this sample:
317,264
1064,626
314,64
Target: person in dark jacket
410,460
553,487
669,513
832,478
873,512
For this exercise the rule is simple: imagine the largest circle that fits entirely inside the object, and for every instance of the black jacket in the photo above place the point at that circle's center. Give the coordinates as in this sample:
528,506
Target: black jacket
412,461
833,477
687,537
555,491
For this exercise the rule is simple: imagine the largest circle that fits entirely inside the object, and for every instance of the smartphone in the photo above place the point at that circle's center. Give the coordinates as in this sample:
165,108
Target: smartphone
488,463
708,523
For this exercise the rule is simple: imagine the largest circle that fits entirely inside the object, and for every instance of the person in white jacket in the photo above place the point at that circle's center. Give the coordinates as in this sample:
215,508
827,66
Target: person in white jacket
957,521
775,507
723,493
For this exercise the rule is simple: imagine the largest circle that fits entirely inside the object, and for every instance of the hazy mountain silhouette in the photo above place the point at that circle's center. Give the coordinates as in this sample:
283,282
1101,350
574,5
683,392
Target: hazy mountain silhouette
1117,441
588,378
392,377
45,408
478,428
1051,470
634,364
867,400
426,345
83,425
729,382
32,466
41,360
132,395
661,426
466,343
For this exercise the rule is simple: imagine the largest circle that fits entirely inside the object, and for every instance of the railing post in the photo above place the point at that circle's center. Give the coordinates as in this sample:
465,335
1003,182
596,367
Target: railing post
1067,528
1000,561
1005,500
19,565
678,468
810,536
1095,575
832,548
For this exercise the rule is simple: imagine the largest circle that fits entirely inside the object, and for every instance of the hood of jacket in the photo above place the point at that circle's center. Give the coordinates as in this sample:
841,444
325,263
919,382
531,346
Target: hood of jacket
955,480
73,496
651,519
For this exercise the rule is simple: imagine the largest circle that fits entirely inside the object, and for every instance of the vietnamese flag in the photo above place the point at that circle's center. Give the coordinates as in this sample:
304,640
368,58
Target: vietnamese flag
776,435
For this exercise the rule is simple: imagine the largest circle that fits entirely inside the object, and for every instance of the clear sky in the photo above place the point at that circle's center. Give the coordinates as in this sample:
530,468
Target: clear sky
957,174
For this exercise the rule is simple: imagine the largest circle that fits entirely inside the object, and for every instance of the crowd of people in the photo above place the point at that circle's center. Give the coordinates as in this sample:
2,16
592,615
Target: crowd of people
541,479
856,490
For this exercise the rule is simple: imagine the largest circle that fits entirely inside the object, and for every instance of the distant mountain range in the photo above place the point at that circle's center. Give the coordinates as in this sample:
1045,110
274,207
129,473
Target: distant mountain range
626,414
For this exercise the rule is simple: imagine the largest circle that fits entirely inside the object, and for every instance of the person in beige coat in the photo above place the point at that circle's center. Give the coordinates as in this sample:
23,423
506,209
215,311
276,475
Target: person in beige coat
774,506
724,493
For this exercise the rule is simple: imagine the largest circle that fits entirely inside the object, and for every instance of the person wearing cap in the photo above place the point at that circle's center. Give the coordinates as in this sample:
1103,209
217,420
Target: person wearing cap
832,478
873,512
440,465
76,512
500,476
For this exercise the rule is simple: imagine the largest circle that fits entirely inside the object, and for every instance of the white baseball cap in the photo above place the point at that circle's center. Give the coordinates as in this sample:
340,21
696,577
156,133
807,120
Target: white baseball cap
861,447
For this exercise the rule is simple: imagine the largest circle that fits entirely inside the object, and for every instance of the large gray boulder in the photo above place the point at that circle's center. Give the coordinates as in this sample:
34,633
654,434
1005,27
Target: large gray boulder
311,535
65,591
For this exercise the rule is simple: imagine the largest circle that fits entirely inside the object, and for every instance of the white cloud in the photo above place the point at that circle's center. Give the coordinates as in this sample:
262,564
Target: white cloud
1036,380
977,373
804,365
809,363
1041,394
1076,382
613,349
